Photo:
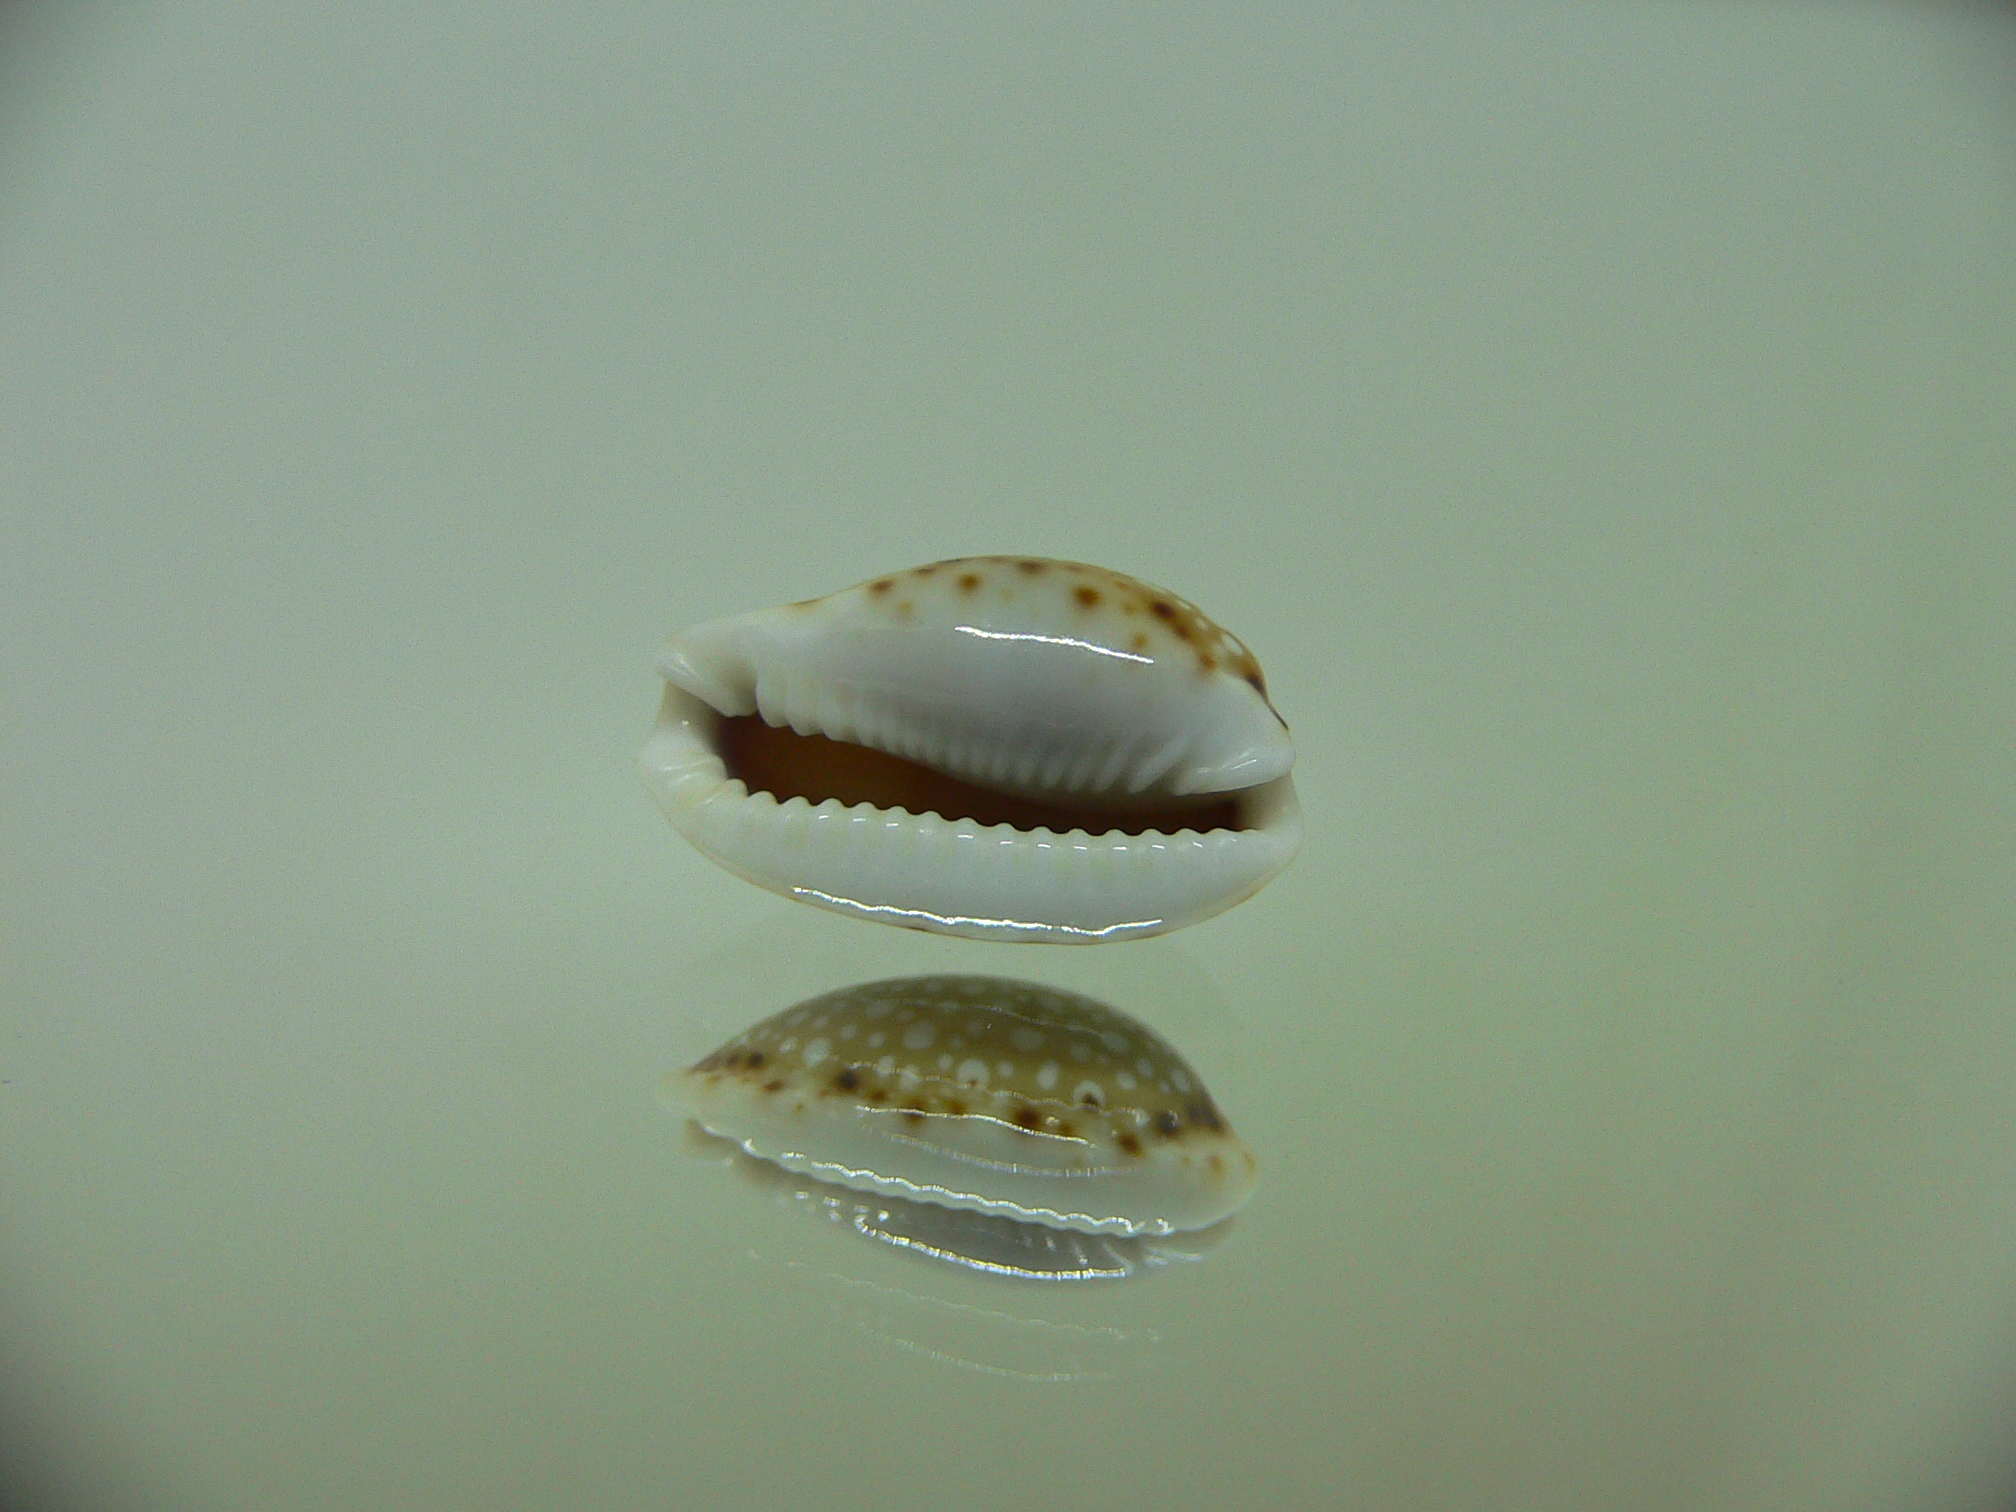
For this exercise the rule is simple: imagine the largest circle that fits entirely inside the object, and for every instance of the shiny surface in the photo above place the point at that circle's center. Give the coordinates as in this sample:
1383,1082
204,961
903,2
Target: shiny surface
988,1094
981,772
1043,679
960,876
1599,418
989,1244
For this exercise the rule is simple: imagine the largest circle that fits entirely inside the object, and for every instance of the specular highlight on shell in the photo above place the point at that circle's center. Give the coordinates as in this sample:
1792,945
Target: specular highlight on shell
966,1240
980,1094
1000,747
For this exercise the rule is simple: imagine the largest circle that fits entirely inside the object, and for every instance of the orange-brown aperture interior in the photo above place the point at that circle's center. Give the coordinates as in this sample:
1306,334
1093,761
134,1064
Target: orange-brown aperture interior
785,764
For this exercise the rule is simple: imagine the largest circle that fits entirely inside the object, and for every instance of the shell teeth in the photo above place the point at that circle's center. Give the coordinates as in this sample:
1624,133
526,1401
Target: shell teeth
924,871
1000,689
1112,767
878,730
767,704
1082,779
1024,769
1151,768
784,698
971,761
841,714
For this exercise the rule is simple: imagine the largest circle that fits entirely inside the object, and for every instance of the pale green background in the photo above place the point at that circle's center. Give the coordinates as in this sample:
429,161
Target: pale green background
1602,423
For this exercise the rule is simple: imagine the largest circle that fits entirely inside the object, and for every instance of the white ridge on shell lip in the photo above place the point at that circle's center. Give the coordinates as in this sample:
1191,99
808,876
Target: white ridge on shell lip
1013,686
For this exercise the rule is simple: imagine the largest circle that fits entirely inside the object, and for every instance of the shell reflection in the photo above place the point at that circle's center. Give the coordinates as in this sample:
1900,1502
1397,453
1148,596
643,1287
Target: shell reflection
969,1240
979,1096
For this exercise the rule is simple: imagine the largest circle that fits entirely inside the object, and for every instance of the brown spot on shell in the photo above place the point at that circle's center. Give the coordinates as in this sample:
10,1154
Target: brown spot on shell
956,1107
1183,619
847,1080
1028,1118
913,1113
1130,1143
775,1084
968,581
1087,597
878,1094
1168,1123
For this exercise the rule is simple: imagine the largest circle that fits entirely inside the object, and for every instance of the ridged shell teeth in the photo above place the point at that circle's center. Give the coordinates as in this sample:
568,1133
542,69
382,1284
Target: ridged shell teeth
1061,700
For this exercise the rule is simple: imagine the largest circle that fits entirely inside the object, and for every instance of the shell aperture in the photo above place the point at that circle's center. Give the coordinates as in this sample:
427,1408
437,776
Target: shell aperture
1112,752
980,1094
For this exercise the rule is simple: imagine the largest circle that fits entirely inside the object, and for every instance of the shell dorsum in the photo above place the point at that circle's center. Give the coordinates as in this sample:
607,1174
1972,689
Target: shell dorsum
1046,698
981,1094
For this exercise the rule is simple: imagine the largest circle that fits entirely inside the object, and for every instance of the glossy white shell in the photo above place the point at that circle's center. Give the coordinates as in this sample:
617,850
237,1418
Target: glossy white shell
984,1095
1046,680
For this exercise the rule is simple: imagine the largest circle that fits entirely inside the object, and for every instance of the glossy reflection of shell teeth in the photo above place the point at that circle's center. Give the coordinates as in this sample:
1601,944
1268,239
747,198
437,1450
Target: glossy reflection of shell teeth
978,1241
982,1095
1001,747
